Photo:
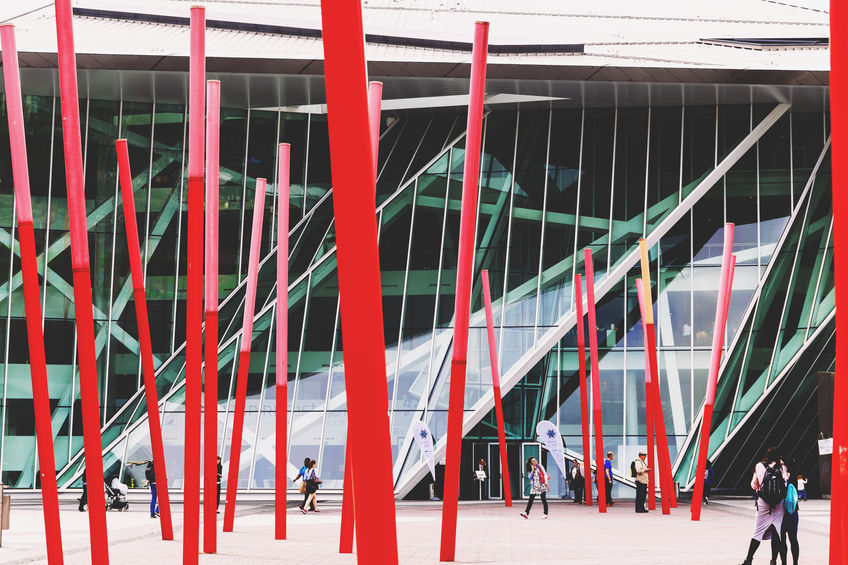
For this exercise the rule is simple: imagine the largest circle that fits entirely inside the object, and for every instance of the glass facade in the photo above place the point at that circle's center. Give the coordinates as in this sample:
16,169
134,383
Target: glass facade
553,182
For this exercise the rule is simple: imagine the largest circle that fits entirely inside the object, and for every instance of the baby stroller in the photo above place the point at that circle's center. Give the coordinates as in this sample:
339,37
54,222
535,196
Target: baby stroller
116,499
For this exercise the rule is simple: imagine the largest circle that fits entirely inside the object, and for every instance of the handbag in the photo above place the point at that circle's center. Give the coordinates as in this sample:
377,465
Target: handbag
302,487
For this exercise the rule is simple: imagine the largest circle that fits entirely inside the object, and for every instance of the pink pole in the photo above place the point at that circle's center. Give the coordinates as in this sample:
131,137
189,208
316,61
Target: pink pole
715,362
244,354
584,392
282,340
375,96
32,300
839,158
145,346
464,273
649,406
496,385
194,287
210,392
596,383
352,163
77,221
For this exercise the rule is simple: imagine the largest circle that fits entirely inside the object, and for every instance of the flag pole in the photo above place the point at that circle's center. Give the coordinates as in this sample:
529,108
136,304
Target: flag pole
244,355
282,340
496,385
584,393
596,381
78,227
649,405
32,300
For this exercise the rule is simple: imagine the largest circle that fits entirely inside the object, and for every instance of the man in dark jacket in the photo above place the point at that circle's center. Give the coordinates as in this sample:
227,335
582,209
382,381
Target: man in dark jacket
150,475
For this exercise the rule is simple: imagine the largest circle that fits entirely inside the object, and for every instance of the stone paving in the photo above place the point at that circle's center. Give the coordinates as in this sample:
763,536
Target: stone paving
487,533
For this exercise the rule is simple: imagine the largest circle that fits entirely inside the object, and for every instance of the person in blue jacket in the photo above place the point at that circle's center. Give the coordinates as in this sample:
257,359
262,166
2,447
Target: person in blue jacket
708,482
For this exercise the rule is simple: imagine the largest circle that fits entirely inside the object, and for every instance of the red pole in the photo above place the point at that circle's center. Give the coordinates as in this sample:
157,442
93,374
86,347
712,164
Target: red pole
145,346
666,484
839,158
464,273
210,302
375,97
649,406
596,382
584,393
244,354
77,221
496,384
282,340
715,361
352,164
32,300
194,287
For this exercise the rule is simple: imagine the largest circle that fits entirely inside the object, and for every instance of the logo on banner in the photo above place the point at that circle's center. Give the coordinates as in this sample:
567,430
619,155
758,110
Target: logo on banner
549,436
424,439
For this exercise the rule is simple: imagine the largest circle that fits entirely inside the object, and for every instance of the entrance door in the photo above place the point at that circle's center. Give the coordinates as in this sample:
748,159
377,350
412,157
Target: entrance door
528,450
495,478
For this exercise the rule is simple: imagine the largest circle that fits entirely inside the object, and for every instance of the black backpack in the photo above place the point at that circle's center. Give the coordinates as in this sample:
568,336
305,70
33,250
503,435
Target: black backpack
773,487
633,468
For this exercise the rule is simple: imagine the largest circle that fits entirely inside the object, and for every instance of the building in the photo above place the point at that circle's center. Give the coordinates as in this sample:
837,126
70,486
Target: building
601,127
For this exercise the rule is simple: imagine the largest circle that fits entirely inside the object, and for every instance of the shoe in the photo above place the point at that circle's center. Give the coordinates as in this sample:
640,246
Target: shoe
525,516
641,511
544,516
707,501
318,511
153,516
302,510
746,562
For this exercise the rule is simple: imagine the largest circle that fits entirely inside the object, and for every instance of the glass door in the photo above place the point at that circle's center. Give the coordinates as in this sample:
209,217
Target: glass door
528,450
495,478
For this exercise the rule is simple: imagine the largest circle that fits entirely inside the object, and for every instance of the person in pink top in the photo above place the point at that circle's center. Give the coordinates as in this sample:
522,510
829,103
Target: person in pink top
769,482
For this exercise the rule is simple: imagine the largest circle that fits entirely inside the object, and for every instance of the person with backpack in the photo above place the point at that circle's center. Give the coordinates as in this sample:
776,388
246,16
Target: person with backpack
789,528
769,482
639,471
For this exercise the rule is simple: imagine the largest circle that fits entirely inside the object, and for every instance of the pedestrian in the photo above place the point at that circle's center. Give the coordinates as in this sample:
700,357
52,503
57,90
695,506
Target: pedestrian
219,472
608,477
708,482
802,487
150,475
302,487
640,474
578,480
769,482
83,499
789,530
538,485
311,479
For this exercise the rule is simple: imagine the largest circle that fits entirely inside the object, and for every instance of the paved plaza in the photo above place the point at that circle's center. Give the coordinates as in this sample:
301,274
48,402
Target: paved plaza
487,533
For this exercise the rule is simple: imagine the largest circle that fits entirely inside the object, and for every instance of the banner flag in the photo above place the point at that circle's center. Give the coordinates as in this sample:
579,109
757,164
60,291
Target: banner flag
549,436
424,439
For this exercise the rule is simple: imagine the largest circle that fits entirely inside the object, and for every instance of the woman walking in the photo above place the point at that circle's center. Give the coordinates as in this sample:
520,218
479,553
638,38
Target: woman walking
310,478
769,482
538,485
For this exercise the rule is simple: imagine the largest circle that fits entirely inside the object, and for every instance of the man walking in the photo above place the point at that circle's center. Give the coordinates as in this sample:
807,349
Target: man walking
641,478
150,475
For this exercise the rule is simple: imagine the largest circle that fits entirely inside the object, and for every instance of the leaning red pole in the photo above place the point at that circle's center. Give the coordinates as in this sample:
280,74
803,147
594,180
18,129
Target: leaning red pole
375,103
32,299
282,340
596,382
649,406
77,222
496,385
715,361
584,393
352,168
839,160
194,286
244,354
145,345
210,303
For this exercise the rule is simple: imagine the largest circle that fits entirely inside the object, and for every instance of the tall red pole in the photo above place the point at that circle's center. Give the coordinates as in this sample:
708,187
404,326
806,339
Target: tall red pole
375,98
584,392
210,303
244,354
145,346
352,164
715,361
282,340
77,221
839,160
666,484
32,300
464,272
649,406
596,383
194,286
496,385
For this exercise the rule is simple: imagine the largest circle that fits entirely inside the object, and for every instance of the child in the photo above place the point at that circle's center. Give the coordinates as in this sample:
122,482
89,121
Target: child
802,488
